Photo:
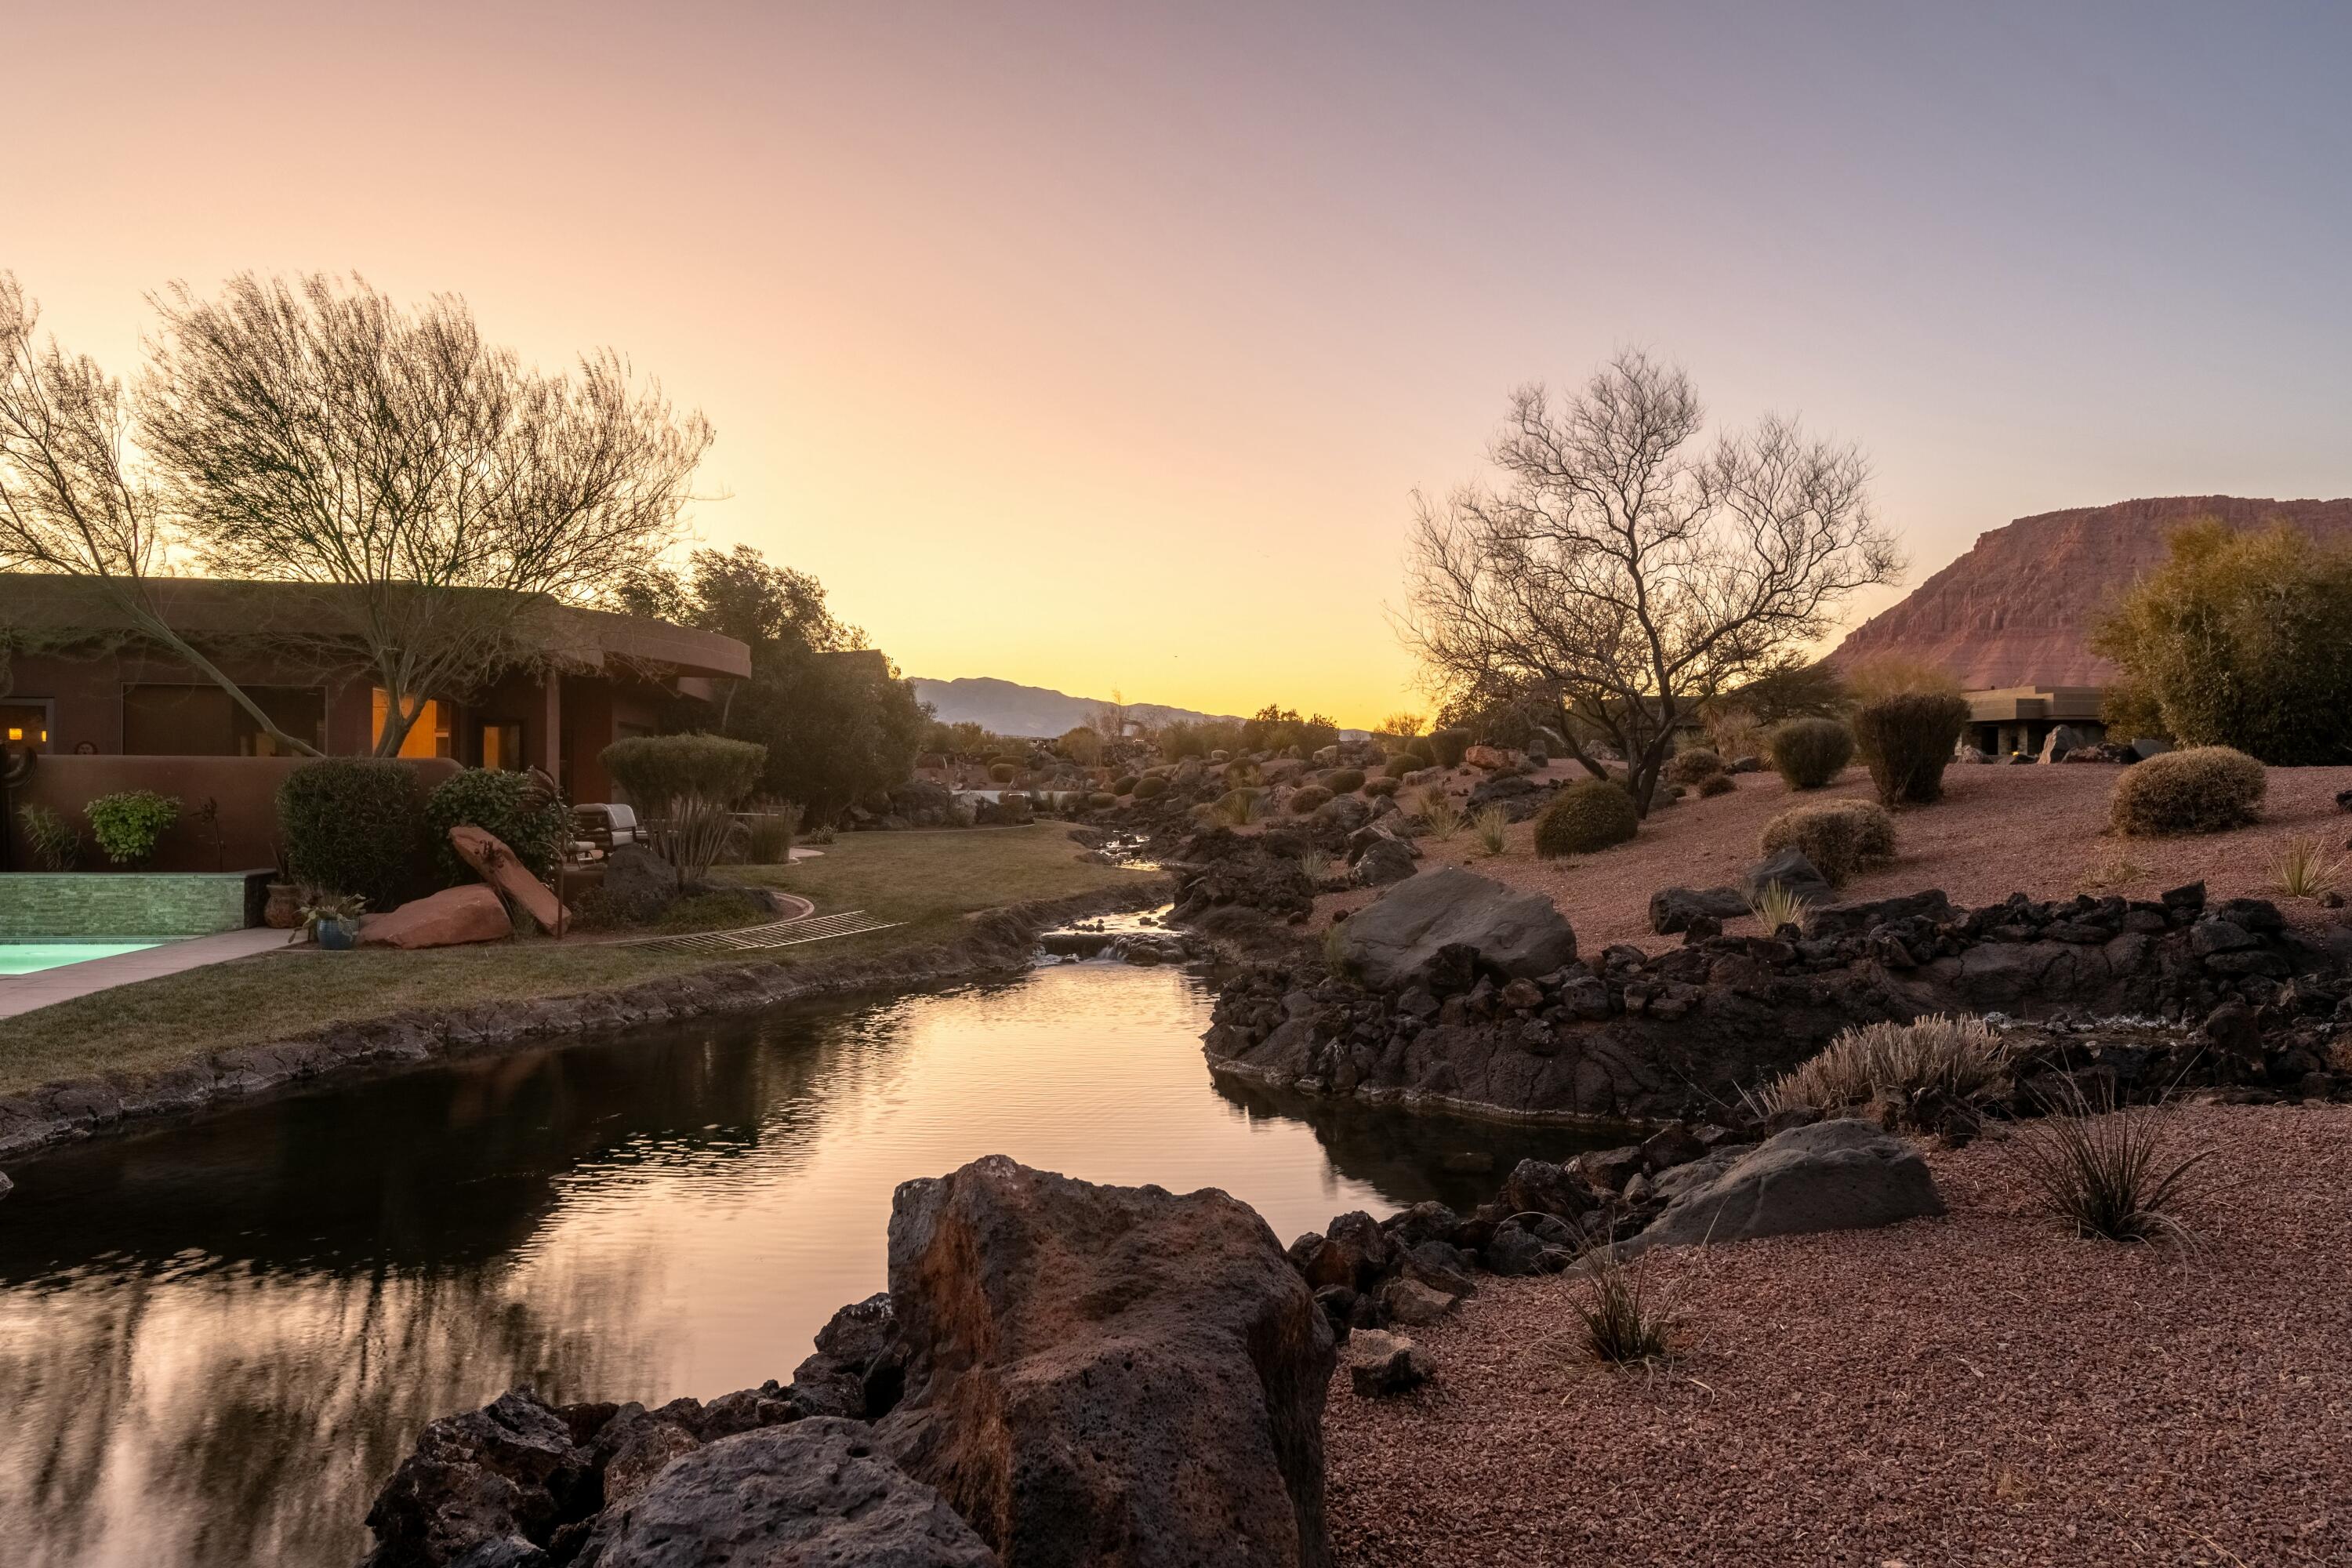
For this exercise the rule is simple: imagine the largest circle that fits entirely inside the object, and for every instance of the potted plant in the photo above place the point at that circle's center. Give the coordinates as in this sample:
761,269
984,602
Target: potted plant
332,920
284,910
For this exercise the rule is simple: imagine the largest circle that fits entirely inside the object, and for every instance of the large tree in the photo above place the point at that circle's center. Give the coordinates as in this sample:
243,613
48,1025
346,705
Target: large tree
839,722
73,503
1627,578
444,491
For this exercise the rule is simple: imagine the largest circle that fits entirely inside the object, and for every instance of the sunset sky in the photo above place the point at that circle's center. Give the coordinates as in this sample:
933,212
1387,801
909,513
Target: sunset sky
1102,346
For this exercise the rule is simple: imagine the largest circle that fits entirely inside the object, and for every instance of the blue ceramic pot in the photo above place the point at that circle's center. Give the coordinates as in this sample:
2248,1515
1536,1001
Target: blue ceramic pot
338,936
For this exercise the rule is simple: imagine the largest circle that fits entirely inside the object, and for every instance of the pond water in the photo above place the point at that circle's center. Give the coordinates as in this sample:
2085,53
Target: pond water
217,1339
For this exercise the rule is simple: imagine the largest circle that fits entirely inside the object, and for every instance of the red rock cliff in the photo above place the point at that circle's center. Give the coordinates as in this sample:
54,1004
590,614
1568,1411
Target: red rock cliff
2018,608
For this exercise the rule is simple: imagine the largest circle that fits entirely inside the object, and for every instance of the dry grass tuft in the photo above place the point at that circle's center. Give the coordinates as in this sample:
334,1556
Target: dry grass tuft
1439,815
1775,906
1492,826
1956,1058
2304,869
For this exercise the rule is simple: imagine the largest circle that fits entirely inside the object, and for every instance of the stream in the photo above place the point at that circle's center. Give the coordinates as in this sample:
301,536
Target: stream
217,1339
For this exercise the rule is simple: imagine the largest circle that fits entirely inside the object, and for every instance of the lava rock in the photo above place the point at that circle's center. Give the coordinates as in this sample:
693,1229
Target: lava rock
1385,861
638,884
1672,910
1380,1363
1792,871
1108,1374
857,1369
1413,1303
511,1469
1393,942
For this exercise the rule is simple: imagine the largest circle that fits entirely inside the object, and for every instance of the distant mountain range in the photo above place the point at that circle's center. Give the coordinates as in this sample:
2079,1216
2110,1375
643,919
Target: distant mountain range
2018,609
1008,708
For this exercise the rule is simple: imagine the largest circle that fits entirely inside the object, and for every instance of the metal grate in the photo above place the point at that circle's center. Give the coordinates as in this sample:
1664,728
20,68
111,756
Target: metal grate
775,934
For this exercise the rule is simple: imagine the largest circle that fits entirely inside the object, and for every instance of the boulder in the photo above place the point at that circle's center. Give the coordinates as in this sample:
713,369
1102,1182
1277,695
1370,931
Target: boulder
856,1370
1489,758
818,1491
1380,1364
1101,1373
1413,1303
1792,871
2062,739
511,1469
1521,796
1538,1186
1672,910
1866,915
450,918
1392,943
1385,861
1847,1174
495,864
638,884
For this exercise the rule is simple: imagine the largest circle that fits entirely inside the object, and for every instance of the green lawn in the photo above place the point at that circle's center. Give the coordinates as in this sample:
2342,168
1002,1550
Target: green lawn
929,880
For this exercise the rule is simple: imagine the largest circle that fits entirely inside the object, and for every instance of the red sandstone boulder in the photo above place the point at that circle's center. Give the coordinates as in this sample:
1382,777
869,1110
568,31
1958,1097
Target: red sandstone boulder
448,918
1108,1374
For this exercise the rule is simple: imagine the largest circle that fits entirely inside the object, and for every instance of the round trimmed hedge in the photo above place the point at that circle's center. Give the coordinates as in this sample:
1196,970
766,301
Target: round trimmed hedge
1151,786
1809,753
1693,766
1449,746
1591,813
2205,789
1307,797
1344,781
1907,741
1839,836
354,825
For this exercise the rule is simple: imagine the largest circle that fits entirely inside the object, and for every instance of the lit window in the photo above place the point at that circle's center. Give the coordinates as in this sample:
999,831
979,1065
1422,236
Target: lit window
17,734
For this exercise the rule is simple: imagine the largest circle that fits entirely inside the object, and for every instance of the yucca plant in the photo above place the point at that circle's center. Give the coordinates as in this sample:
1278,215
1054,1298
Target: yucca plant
1774,906
1627,1321
1491,826
1439,815
2304,868
2110,1174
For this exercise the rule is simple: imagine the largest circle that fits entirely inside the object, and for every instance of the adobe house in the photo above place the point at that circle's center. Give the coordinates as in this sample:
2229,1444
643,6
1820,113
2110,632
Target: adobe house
2011,719
85,685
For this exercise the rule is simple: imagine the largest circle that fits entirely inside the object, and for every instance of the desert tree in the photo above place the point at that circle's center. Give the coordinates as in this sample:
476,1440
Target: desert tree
1628,577
73,502
440,494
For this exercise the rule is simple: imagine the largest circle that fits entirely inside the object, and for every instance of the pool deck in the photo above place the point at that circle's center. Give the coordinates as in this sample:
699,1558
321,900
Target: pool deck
43,987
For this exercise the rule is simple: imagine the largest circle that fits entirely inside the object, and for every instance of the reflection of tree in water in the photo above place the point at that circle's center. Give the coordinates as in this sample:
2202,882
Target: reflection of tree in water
1404,1155
250,1420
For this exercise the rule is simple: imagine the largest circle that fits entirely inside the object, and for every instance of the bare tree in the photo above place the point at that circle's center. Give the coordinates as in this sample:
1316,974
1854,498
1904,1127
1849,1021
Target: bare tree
70,503
446,493
1625,579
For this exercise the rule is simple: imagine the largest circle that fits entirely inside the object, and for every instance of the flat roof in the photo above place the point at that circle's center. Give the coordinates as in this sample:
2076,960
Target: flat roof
199,608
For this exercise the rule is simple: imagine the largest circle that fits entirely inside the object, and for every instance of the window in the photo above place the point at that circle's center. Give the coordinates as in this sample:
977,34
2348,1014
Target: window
502,746
25,722
160,721
429,736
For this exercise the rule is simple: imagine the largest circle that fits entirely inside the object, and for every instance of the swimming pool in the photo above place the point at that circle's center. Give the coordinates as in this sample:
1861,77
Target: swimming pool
30,956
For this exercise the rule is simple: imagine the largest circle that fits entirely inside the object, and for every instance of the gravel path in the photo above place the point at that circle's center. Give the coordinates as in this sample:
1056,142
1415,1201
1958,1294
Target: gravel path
1970,1391
1998,830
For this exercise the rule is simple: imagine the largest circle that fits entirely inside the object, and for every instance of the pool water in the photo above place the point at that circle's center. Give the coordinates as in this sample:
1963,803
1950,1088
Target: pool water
32,957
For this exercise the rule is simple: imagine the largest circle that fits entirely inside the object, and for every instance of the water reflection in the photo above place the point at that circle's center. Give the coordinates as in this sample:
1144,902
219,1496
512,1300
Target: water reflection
216,1340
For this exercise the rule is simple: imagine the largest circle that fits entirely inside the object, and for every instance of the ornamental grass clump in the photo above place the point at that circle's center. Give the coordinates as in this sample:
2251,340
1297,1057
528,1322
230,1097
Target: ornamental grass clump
1809,753
1774,905
2111,1174
1958,1059
1237,806
1626,1320
1492,825
54,842
1841,837
1315,864
1907,741
2304,869
1591,813
1441,818
2206,789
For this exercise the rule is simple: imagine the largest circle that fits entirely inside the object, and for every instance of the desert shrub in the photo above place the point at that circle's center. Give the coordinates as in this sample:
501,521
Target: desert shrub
1448,746
1841,837
1001,772
768,833
55,843
1734,733
1809,753
1344,781
1398,764
1421,749
2238,640
1315,864
1082,746
354,825
129,824
1124,785
657,769
1907,741
1693,766
1591,813
1876,676
1716,784
503,804
1307,797
2129,711
1492,825
2206,789
1933,1056
1101,800
1378,787
1151,786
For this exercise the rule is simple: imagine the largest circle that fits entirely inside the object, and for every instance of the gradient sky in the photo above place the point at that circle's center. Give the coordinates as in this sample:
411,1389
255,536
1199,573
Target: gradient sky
1102,346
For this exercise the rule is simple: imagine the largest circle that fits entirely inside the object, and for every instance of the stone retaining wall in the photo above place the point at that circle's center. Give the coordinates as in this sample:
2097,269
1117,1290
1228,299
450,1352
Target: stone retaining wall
129,904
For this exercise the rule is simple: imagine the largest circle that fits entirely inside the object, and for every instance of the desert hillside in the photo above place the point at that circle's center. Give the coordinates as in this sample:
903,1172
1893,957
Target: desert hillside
2018,606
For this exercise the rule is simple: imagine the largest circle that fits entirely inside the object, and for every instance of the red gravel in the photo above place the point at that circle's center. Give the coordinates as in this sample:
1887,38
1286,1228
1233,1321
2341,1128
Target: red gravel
1975,1390
1998,830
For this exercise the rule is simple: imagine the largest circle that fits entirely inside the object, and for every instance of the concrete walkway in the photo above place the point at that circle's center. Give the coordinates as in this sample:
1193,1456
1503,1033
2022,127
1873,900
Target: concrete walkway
23,993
